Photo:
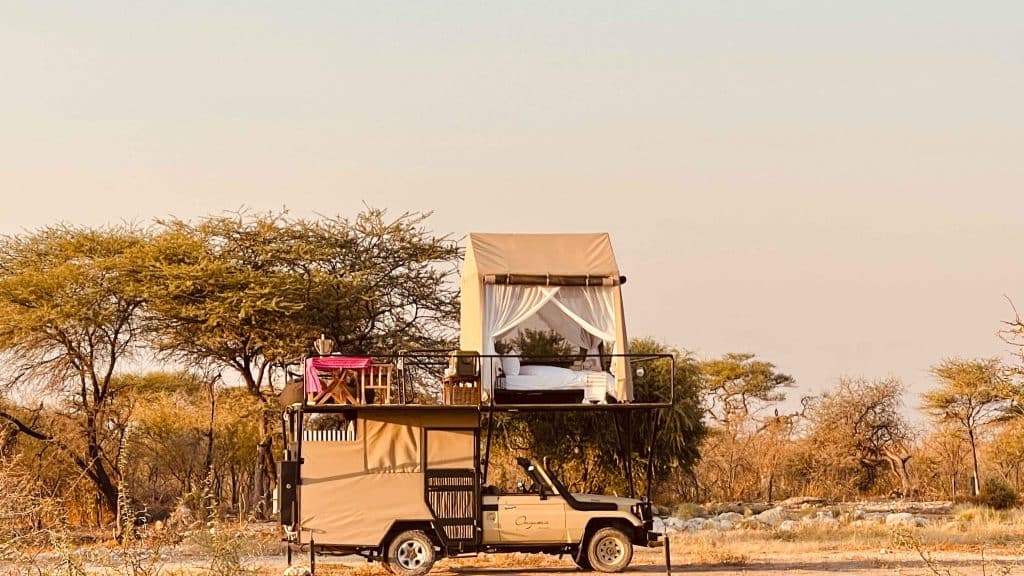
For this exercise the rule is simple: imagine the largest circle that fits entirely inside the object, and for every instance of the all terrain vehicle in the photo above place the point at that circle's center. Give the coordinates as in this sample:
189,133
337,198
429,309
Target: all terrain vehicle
400,485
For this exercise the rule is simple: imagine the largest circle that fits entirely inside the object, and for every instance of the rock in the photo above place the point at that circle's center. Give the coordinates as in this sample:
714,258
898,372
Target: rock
732,517
788,526
751,524
900,519
725,525
772,517
857,514
920,521
694,525
297,571
658,525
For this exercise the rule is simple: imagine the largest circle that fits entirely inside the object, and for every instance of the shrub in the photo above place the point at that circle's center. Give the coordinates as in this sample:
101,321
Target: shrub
998,494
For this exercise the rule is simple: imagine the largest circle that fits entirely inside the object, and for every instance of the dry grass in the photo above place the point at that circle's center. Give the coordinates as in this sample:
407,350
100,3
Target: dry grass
981,536
707,552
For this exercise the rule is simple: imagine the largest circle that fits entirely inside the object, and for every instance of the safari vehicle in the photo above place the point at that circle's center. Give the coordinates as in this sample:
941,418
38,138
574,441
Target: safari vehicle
400,484
375,465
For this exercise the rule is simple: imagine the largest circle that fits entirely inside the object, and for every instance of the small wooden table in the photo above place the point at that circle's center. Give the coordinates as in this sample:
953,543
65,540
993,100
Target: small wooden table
337,388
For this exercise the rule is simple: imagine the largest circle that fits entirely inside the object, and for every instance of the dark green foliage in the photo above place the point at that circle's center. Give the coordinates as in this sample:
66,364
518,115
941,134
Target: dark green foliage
998,493
585,444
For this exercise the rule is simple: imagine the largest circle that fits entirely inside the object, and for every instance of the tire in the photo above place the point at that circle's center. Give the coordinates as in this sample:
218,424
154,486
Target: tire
609,550
410,553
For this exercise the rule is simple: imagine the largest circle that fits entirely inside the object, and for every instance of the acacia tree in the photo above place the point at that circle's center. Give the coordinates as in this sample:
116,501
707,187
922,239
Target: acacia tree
245,292
737,388
857,432
970,394
70,313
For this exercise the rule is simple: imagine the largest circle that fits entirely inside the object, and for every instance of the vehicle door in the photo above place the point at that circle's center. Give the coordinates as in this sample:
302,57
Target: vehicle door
533,518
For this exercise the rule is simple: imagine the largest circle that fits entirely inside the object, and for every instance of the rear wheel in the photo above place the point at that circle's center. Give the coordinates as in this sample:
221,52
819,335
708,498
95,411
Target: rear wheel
609,550
411,553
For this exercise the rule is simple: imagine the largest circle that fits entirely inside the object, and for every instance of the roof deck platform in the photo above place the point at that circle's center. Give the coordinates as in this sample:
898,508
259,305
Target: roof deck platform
447,379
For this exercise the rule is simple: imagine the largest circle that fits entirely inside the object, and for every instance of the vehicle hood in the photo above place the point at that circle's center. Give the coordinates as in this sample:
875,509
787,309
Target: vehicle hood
623,504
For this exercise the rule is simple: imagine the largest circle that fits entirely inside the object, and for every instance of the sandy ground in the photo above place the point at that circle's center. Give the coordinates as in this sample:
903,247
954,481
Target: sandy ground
809,563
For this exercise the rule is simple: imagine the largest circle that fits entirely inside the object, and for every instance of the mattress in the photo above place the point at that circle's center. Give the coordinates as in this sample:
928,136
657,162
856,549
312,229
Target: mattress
539,378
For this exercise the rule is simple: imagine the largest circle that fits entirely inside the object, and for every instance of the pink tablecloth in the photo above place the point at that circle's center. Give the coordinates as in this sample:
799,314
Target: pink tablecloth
316,364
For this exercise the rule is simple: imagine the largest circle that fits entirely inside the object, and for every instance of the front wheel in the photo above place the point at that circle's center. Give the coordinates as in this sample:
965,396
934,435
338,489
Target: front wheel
411,553
609,550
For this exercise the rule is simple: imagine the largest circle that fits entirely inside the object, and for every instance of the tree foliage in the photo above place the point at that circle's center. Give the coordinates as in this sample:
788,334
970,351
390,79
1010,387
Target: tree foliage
587,444
971,394
739,458
71,311
857,434
245,291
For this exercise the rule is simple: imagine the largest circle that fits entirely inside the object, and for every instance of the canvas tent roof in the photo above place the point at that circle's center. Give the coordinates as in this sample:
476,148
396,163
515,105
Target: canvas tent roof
540,254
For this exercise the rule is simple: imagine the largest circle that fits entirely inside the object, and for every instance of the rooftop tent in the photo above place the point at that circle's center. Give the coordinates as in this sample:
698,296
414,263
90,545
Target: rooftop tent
566,282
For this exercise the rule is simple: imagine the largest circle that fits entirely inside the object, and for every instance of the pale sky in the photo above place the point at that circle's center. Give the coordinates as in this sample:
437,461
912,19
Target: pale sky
833,186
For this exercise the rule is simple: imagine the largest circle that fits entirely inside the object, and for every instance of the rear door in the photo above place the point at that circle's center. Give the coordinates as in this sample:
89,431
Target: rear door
452,485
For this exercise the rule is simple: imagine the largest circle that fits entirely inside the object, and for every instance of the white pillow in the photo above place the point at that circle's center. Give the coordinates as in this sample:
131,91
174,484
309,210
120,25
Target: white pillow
510,365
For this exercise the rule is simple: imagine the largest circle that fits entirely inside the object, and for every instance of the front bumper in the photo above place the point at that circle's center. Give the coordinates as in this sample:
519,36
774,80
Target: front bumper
644,535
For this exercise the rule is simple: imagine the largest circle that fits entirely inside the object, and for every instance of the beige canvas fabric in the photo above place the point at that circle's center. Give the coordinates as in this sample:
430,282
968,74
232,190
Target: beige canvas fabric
351,492
539,254
392,447
450,448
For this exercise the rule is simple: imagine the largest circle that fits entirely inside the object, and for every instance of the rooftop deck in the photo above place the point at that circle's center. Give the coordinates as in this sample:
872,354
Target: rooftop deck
433,379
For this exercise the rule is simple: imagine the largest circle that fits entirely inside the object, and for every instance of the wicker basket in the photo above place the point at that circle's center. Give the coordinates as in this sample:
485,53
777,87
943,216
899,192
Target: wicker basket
461,394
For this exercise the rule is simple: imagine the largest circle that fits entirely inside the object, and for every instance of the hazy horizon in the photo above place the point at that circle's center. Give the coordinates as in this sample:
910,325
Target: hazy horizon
832,187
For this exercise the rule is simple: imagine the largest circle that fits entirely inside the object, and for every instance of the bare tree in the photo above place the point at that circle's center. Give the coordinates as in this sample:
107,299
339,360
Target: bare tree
857,433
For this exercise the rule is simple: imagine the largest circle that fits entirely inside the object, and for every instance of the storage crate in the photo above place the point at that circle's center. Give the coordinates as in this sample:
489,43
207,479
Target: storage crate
461,393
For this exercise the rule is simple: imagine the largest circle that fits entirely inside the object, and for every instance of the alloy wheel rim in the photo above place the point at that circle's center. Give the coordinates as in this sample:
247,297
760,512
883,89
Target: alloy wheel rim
411,554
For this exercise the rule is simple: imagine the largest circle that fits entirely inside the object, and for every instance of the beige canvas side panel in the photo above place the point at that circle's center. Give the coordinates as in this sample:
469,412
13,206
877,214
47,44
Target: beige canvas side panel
557,254
623,371
450,449
358,510
471,320
392,446
332,460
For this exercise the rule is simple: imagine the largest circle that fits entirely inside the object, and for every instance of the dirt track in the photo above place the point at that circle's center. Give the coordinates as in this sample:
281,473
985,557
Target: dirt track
802,564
